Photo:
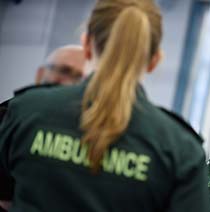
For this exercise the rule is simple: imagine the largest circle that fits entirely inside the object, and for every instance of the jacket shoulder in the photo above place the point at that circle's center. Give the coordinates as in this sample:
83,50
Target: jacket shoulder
3,109
18,93
184,124
33,87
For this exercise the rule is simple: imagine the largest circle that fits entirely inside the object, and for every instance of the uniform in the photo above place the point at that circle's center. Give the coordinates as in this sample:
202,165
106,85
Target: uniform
6,182
209,177
151,168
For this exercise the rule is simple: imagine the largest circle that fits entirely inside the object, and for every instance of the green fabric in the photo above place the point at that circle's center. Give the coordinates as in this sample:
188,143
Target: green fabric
209,177
156,165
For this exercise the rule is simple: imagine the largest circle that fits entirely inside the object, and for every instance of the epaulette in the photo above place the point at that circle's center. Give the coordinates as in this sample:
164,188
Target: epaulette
27,88
3,109
183,123
4,105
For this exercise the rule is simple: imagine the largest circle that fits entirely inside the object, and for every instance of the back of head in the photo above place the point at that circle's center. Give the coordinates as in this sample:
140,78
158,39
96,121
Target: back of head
71,55
126,35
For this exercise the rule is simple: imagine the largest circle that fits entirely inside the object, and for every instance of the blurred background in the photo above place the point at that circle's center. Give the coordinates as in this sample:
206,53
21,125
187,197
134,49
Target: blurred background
30,29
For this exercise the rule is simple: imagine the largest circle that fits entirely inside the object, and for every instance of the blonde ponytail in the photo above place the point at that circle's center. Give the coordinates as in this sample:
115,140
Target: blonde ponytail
111,93
126,34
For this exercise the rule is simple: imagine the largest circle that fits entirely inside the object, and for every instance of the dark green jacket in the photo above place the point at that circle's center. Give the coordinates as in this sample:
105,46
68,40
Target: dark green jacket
157,165
6,181
209,177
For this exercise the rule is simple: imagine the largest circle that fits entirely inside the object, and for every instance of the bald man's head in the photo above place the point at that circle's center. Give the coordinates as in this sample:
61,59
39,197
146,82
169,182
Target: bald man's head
64,66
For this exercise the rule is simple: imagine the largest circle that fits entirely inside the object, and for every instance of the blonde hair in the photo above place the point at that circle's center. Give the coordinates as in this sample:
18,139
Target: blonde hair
127,33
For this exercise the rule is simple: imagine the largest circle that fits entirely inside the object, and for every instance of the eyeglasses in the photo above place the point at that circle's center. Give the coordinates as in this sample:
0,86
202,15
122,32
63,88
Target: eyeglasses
65,71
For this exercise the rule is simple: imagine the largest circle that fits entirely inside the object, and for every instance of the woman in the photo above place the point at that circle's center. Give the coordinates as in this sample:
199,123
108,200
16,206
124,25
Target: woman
101,145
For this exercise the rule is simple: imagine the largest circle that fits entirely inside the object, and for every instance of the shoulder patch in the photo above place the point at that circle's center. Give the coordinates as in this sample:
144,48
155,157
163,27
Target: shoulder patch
183,123
23,90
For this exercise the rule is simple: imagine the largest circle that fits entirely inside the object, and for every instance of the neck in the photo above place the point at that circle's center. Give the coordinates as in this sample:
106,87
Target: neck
91,65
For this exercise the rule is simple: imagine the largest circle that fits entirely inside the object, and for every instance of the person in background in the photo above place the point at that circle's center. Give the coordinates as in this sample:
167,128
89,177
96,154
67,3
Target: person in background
64,66
102,145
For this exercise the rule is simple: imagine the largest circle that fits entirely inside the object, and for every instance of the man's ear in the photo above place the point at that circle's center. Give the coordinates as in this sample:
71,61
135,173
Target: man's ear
86,43
39,76
157,58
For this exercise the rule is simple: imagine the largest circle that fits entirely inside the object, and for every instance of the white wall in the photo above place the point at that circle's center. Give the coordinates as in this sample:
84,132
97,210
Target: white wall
69,22
24,37
20,72
161,85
